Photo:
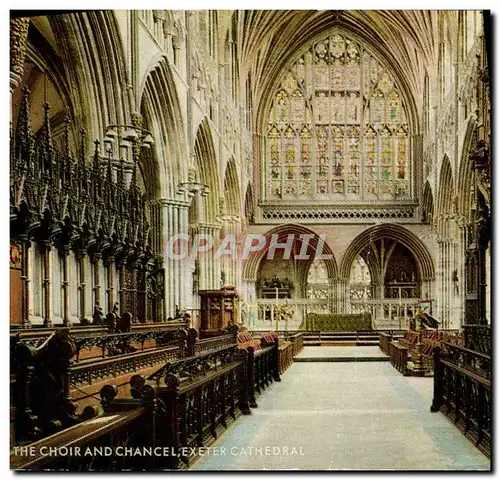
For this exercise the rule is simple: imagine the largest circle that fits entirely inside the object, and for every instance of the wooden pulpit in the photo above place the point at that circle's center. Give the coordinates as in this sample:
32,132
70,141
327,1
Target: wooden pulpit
219,308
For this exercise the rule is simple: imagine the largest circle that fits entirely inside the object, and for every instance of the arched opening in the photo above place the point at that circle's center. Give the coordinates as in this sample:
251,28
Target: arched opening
292,275
360,282
207,210
318,287
389,272
161,111
162,173
207,172
231,223
448,300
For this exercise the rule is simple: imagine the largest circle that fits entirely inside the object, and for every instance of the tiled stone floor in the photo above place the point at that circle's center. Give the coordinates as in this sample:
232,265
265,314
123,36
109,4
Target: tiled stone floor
344,416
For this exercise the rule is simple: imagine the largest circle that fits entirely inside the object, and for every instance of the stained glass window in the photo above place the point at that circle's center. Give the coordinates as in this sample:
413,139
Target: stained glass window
337,128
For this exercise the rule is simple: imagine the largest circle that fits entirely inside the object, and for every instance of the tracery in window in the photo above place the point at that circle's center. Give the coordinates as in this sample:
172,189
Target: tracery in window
360,280
317,281
337,128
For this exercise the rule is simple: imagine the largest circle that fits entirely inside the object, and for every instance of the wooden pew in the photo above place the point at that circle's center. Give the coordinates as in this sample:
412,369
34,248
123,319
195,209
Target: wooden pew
399,356
53,387
83,446
197,397
384,340
462,391
185,404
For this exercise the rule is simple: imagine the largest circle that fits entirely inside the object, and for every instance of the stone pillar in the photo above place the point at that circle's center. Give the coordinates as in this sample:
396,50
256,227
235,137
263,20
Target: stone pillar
185,273
237,263
445,294
462,246
176,283
176,221
202,261
47,291
65,286
166,215
214,269
440,284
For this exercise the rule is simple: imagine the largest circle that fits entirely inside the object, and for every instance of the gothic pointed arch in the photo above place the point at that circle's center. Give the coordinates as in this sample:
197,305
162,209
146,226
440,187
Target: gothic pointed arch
392,232
232,195
161,110
465,171
76,63
97,69
207,170
251,265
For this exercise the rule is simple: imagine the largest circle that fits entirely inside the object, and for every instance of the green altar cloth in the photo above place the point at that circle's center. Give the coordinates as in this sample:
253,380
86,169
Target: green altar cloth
337,322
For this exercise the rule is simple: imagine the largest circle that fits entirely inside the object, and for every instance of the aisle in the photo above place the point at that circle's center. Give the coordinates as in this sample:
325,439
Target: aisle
354,416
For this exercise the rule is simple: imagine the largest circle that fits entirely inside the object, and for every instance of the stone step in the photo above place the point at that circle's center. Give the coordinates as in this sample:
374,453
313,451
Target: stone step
341,359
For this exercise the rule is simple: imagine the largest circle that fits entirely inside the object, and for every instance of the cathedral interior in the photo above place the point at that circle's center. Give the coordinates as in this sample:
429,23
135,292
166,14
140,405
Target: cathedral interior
344,159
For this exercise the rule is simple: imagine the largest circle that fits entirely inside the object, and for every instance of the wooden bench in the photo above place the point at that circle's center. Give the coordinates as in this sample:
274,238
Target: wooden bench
398,354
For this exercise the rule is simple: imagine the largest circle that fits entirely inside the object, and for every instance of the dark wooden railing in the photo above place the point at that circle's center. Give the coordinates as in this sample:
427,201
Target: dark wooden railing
297,340
384,340
93,445
81,360
478,338
289,346
183,405
399,357
462,391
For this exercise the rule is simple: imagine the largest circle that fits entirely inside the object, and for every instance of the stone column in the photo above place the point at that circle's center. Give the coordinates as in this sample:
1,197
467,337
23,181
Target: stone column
176,280
184,270
462,246
237,263
445,295
213,265
202,262
47,291
175,221
166,215
226,263
65,286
